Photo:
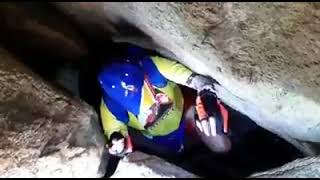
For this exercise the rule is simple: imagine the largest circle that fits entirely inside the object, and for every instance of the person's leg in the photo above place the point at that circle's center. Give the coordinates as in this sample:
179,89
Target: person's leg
112,165
192,139
152,146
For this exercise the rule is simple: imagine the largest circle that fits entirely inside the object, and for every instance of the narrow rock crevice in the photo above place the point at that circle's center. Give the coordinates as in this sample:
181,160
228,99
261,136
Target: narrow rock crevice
66,48
254,146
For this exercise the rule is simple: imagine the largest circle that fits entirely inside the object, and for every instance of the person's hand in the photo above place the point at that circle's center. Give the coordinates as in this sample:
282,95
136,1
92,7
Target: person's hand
207,126
201,83
205,121
212,131
117,146
120,146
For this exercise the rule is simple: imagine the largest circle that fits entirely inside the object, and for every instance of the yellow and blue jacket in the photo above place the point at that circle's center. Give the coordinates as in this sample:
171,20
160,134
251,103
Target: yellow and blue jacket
126,97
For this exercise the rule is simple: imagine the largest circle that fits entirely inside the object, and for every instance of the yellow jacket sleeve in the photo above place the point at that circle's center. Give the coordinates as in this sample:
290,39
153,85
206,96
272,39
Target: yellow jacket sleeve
110,123
172,70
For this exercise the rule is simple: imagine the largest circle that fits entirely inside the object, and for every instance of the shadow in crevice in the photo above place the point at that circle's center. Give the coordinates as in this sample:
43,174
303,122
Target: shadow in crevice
254,149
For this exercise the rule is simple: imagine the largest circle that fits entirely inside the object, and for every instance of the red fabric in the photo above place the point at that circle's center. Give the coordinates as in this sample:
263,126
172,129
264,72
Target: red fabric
129,143
225,117
150,86
202,114
190,128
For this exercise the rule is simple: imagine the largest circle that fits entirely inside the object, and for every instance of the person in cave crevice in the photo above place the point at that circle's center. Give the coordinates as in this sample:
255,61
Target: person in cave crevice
142,106
253,148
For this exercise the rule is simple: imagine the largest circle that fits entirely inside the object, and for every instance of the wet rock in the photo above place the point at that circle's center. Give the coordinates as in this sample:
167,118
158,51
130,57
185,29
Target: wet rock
141,165
44,133
40,31
300,168
264,55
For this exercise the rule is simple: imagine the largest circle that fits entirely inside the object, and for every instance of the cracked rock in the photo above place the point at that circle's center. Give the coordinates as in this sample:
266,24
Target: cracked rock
44,133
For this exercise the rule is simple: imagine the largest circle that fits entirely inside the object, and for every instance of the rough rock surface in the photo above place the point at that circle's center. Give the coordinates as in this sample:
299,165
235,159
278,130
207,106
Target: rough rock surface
264,55
40,31
43,133
141,165
300,168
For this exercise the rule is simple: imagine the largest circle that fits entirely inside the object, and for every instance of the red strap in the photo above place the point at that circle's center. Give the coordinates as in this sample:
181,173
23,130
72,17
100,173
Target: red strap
202,114
225,117
149,86
129,144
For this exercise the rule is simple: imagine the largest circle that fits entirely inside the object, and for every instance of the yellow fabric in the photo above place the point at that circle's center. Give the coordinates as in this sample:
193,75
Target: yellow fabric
134,122
172,70
171,121
110,123
166,125
147,97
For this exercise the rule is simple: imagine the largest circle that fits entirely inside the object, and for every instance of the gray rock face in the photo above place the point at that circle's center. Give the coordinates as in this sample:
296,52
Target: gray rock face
300,168
141,165
265,55
44,133
40,31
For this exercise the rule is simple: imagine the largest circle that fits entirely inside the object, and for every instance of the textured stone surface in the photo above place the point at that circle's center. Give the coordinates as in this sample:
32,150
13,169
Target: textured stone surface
300,168
141,165
44,133
265,55
40,30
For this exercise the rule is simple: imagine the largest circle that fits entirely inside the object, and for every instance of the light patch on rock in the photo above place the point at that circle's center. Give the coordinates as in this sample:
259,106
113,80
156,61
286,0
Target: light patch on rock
141,165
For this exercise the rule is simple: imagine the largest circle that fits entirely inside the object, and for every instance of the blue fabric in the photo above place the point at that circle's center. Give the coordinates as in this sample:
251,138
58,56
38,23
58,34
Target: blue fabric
138,55
154,75
116,109
135,51
115,76
115,80
174,140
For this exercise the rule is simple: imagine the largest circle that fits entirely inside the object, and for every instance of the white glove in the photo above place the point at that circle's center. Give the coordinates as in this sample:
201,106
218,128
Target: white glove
208,127
120,146
117,146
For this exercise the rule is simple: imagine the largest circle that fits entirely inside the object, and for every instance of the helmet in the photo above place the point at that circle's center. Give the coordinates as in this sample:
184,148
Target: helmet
123,83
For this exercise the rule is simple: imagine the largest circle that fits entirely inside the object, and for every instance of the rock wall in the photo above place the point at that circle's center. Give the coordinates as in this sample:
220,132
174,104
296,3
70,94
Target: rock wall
264,55
41,31
44,133
300,168
141,165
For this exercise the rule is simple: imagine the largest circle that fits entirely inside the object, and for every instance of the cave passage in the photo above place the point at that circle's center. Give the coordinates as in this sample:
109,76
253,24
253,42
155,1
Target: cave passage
254,148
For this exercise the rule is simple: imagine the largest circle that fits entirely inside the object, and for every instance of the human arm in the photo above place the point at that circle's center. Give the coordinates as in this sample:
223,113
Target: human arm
116,132
180,74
